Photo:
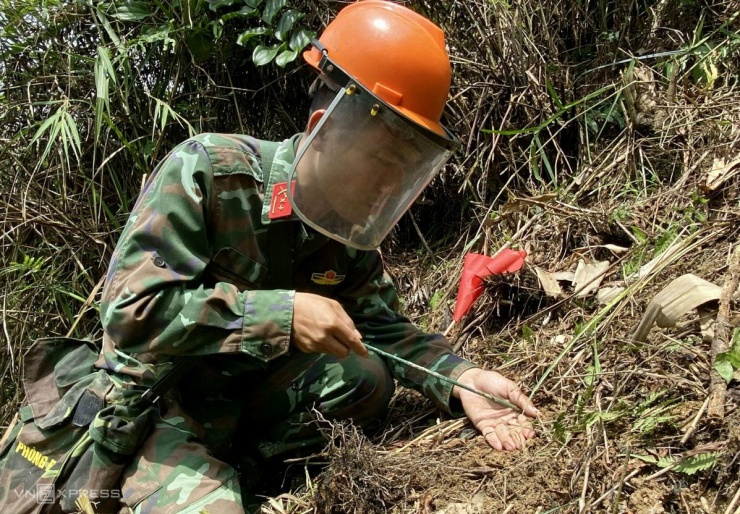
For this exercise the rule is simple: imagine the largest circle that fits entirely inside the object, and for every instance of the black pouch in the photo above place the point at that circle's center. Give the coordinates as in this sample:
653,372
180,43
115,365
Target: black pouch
75,433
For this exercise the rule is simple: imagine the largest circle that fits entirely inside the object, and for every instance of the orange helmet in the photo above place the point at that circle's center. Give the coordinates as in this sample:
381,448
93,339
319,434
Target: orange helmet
378,144
393,52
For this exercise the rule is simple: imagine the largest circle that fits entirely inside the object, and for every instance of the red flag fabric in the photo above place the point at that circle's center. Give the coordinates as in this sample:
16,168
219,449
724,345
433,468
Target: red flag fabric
477,267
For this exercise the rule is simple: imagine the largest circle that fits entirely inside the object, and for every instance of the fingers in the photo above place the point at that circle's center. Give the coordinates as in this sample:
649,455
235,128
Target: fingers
494,383
356,346
499,438
519,399
335,347
508,436
346,332
321,325
489,434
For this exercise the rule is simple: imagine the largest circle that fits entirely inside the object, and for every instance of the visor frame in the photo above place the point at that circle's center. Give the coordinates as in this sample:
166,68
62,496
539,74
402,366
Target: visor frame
344,80
376,227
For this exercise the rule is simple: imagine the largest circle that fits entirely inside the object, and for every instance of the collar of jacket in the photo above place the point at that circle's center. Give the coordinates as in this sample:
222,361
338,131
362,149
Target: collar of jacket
278,172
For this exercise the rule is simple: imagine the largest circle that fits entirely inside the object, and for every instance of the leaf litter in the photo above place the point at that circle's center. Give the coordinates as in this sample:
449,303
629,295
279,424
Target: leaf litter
625,427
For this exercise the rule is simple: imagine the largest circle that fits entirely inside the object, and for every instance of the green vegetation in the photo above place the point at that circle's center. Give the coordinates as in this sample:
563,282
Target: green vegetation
618,121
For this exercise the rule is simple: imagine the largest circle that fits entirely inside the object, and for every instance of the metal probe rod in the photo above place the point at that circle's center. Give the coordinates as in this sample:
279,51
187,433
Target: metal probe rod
487,396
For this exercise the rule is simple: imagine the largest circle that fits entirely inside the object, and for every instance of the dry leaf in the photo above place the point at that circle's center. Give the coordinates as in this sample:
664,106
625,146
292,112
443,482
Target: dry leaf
589,276
517,204
559,340
647,269
721,172
549,283
566,276
607,294
476,505
685,293
615,248
707,320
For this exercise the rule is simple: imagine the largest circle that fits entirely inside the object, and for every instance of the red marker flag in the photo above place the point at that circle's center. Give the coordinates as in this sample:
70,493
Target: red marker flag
477,267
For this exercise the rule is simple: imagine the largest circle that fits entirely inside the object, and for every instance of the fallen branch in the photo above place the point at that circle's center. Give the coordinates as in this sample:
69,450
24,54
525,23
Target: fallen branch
720,343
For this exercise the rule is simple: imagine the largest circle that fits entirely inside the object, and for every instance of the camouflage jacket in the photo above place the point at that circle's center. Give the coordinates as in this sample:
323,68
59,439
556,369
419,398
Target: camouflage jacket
188,276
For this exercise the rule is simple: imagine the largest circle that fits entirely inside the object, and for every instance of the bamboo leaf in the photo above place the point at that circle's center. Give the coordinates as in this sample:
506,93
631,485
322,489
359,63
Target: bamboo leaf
104,75
104,56
101,83
72,132
132,11
65,138
166,112
109,29
162,112
52,126
45,126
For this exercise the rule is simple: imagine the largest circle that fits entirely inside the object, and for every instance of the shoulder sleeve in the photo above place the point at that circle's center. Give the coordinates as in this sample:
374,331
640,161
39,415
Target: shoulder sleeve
372,302
155,299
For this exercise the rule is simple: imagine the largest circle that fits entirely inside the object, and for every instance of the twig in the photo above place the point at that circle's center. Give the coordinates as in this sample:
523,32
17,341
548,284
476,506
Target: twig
423,239
8,430
436,429
614,487
7,336
732,504
583,505
620,484
695,421
87,304
720,343
582,501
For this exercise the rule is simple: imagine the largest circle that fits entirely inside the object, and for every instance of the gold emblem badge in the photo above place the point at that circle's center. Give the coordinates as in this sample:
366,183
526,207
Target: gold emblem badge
327,278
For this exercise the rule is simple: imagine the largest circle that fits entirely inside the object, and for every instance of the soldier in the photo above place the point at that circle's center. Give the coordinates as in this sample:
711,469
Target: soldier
259,259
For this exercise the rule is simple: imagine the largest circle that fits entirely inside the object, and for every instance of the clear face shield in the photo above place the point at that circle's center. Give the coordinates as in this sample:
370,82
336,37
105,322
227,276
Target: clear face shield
362,167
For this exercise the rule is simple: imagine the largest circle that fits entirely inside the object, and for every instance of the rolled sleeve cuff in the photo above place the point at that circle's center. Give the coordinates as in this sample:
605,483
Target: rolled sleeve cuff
440,391
268,321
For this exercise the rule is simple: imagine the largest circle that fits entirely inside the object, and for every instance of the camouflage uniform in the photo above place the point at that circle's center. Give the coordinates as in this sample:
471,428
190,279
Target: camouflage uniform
189,277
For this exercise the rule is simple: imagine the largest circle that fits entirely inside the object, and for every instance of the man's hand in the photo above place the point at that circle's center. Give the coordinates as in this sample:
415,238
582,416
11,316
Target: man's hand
320,325
503,428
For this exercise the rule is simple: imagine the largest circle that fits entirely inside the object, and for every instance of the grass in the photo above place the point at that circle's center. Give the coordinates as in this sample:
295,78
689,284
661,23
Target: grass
609,115
619,414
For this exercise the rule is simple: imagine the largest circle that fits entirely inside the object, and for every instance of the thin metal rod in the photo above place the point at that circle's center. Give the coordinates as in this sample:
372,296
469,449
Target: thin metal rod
487,396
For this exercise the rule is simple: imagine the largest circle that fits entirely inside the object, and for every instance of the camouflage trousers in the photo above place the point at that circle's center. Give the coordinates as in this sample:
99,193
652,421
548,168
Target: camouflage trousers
198,452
